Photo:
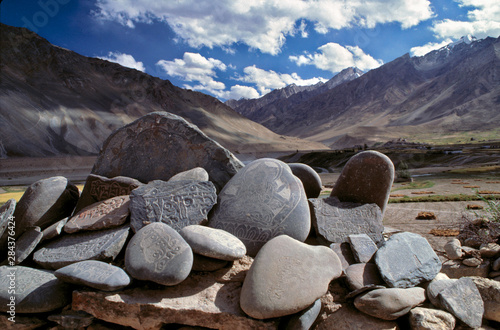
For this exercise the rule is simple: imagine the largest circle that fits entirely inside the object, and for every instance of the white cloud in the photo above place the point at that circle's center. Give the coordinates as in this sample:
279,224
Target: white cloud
238,91
429,47
196,68
334,58
266,81
124,60
264,24
483,21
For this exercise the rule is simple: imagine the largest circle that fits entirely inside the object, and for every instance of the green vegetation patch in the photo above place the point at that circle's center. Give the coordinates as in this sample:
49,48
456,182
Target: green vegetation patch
416,185
443,198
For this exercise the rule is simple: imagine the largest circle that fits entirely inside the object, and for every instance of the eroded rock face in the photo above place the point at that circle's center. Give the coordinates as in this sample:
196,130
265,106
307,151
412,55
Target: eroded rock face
286,277
262,201
163,139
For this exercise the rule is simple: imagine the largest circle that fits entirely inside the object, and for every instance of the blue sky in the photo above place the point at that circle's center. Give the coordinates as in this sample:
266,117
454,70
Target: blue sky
246,48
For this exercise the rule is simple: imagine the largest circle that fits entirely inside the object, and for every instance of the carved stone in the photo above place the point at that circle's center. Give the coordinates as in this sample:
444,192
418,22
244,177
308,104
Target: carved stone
164,144
177,204
334,221
99,188
262,201
159,254
109,213
103,245
6,212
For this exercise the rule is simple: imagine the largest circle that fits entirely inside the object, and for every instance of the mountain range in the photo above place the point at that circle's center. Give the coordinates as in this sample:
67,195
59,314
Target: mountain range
448,94
54,101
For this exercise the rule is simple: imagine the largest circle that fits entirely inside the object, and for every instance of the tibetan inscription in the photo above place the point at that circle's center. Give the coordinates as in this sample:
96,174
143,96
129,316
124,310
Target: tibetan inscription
177,204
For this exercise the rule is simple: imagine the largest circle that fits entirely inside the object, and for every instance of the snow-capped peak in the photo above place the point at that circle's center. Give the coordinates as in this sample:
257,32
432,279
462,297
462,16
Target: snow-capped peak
468,39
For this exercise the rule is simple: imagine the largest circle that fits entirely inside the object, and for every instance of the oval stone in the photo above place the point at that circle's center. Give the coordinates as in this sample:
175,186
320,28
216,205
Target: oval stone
36,291
286,277
214,243
95,274
159,254
195,174
309,177
109,213
260,202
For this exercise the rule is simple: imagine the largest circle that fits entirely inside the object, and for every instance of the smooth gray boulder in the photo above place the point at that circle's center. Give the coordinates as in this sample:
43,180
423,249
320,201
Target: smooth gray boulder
102,245
286,277
195,174
366,178
310,179
164,144
95,274
213,243
406,260
438,284
262,201
177,204
159,254
453,249
35,290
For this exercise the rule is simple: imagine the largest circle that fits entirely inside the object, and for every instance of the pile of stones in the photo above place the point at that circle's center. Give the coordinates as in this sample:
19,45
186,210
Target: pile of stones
171,229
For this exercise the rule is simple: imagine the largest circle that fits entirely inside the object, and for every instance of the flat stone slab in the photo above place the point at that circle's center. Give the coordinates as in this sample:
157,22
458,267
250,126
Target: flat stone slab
27,243
164,144
286,277
334,221
159,254
109,213
177,204
36,291
309,178
55,229
463,300
95,274
205,300
213,243
490,293
262,201
99,188
363,247
406,260
103,245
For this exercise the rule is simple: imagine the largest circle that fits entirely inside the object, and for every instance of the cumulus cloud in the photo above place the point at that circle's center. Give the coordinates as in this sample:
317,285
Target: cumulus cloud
238,91
124,60
334,58
196,68
483,21
267,80
262,25
429,47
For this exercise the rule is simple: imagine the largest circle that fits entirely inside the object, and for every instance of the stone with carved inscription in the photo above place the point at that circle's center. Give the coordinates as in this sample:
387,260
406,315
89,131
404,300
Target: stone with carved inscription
406,260
196,174
103,245
99,188
95,274
6,214
159,254
27,243
366,178
309,177
30,290
164,144
214,243
177,204
262,201
109,213
334,221
286,277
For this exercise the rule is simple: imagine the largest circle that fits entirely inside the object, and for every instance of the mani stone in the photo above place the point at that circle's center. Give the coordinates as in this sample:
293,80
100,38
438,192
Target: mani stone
164,144
6,212
45,202
99,188
334,221
262,201
36,291
406,260
214,243
286,277
463,300
55,229
177,204
109,213
27,243
304,319
103,245
159,254
389,304
195,174
309,178
95,274
366,178
362,247
426,318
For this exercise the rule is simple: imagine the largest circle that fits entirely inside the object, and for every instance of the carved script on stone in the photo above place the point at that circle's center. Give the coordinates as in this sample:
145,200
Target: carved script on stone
159,249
